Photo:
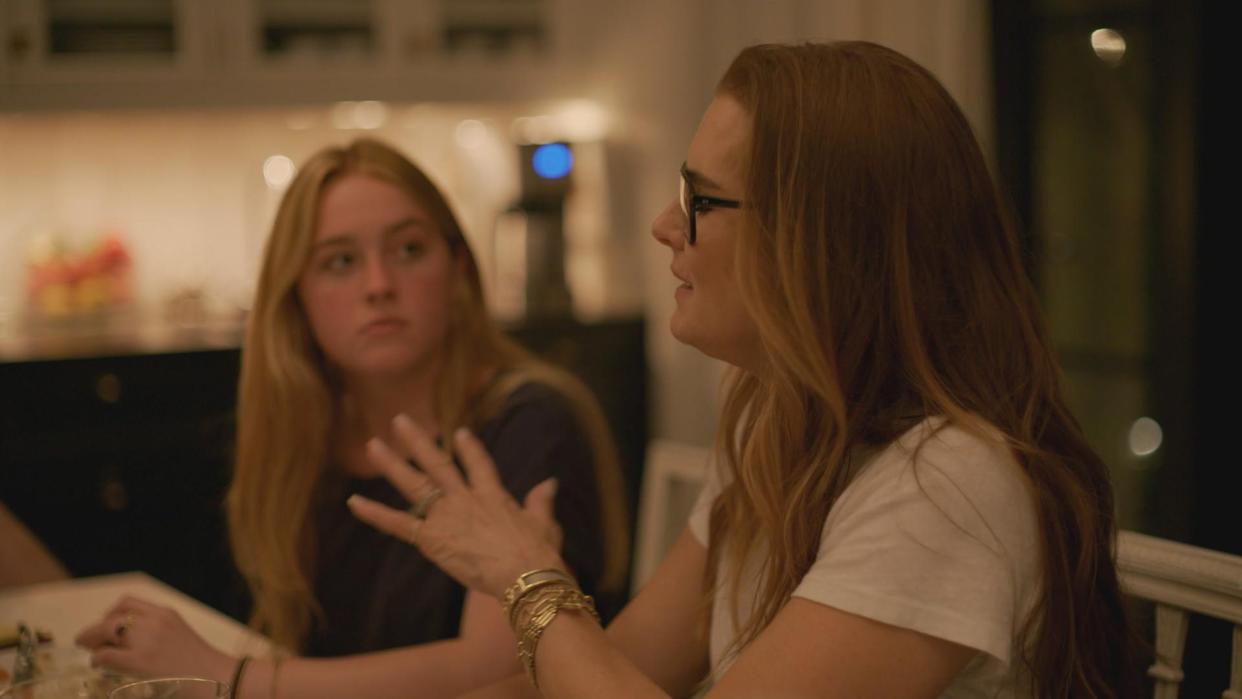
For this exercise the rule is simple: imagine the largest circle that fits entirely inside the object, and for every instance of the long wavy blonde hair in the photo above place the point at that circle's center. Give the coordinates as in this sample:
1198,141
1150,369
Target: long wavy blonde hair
289,400
888,287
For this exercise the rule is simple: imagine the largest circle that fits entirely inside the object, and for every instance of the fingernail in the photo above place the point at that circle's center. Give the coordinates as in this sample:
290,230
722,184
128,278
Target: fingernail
462,434
354,499
402,420
554,485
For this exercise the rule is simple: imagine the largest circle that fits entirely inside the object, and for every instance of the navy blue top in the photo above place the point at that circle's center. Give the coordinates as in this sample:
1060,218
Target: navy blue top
377,592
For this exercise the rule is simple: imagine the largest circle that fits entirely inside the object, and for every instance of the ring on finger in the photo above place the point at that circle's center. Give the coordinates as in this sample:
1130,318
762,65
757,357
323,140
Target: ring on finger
422,506
123,627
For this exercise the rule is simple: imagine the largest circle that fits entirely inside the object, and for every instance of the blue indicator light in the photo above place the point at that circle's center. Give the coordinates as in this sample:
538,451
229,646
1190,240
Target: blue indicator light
552,161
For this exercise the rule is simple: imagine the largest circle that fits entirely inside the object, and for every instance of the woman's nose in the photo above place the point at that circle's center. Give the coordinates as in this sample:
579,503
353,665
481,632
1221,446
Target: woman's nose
669,227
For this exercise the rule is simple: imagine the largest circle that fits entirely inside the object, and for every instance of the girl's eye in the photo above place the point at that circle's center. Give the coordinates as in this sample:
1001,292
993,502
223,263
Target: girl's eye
338,262
410,250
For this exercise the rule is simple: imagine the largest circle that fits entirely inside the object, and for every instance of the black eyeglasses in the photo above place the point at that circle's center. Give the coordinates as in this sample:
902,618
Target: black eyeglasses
693,204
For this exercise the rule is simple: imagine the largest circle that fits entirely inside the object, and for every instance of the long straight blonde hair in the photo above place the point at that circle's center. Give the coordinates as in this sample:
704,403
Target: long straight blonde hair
289,400
888,287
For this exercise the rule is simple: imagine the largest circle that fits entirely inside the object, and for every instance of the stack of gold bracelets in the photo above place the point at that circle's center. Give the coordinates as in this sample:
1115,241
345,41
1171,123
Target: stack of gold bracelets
533,602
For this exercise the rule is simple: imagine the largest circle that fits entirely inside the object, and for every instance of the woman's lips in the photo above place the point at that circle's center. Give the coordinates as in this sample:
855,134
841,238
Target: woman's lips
681,278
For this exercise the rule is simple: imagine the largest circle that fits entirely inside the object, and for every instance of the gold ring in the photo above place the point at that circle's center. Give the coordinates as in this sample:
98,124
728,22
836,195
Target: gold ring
422,506
122,627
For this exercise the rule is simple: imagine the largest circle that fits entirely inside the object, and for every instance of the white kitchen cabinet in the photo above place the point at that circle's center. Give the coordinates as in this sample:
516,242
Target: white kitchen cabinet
86,42
169,53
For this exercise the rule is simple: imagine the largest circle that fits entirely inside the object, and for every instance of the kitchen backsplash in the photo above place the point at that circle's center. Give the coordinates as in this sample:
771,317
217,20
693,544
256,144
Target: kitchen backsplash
190,195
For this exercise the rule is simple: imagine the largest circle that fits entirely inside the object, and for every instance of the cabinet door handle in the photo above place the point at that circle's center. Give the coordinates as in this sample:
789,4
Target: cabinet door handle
113,495
108,388
19,45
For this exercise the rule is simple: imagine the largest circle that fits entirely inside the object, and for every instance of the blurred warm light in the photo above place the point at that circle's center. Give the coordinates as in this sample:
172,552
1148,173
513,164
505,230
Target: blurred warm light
470,133
278,171
535,129
368,114
1109,45
575,121
582,120
1145,436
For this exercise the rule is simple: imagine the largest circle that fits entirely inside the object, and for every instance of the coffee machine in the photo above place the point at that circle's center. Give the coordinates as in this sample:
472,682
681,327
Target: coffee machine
530,236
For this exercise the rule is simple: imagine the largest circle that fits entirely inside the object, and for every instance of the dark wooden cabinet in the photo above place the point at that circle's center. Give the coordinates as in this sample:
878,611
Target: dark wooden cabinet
121,462
611,358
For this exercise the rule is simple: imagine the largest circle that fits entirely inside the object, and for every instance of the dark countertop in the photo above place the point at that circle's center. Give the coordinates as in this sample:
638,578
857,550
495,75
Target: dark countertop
128,337
118,340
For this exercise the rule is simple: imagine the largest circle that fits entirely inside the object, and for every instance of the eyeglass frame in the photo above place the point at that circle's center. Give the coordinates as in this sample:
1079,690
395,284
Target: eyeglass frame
698,203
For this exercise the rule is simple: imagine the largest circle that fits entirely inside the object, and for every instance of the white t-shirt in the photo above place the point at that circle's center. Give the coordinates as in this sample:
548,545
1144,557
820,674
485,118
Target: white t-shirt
946,545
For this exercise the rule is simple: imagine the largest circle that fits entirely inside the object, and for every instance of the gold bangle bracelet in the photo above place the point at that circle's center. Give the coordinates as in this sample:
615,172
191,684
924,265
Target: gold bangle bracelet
544,608
532,580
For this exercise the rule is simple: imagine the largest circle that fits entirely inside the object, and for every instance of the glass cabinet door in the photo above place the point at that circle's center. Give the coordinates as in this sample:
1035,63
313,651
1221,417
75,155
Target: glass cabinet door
90,41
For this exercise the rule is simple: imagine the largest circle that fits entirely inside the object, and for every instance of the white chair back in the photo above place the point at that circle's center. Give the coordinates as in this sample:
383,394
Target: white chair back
673,475
1180,579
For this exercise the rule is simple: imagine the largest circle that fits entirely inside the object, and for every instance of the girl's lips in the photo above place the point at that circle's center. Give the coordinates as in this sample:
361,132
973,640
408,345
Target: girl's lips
383,325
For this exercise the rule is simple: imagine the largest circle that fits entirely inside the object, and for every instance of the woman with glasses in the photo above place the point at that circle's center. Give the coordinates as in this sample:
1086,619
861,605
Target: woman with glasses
901,503
369,304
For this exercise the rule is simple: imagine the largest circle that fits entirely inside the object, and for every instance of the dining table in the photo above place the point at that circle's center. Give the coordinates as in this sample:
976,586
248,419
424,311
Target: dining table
62,608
